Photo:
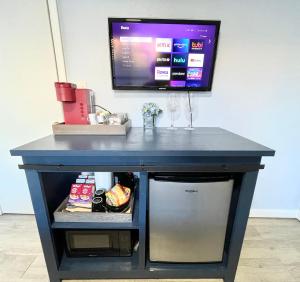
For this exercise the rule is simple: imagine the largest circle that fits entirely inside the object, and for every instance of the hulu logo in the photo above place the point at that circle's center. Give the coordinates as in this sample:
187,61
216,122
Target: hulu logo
179,60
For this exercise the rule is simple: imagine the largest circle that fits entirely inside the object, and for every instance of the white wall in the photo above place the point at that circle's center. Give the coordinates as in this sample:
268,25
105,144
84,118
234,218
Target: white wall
256,90
28,103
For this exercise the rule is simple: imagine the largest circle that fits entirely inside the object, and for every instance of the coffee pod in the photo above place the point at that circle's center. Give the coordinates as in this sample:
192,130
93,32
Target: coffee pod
98,205
100,194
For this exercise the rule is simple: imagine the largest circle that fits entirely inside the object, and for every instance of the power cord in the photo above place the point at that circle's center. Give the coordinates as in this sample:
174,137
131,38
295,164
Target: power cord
102,108
190,108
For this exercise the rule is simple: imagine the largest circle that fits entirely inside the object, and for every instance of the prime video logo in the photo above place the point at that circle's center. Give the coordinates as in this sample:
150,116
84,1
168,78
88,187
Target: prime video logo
125,27
180,45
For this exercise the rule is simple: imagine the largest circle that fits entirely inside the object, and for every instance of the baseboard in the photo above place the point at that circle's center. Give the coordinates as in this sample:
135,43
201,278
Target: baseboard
264,213
298,216
275,213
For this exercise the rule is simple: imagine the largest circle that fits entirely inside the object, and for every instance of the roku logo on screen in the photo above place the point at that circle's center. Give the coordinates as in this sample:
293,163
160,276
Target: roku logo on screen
125,27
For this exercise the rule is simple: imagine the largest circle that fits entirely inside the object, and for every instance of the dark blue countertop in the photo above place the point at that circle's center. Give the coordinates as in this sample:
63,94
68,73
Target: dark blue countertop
203,141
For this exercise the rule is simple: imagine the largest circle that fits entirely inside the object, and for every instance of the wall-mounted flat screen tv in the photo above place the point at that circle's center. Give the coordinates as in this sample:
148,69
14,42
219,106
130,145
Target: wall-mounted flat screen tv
156,54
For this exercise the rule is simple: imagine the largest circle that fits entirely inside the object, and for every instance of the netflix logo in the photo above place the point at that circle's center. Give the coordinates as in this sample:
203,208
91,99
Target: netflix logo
163,45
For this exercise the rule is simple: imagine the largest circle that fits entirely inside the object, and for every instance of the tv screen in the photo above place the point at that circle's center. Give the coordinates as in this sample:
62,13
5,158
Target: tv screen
153,54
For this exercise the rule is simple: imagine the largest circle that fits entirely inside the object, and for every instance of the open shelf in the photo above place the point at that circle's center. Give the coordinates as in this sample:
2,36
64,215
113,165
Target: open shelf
96,266
134,224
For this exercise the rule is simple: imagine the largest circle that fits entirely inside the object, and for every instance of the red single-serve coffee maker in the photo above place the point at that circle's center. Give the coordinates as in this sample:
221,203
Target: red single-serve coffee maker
77,103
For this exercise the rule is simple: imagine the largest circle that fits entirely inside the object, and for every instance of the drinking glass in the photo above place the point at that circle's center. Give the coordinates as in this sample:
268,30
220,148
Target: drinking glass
189,112
173,109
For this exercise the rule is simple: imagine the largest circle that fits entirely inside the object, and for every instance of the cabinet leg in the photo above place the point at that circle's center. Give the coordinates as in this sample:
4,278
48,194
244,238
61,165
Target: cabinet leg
54,279
229,279
229,275
240,224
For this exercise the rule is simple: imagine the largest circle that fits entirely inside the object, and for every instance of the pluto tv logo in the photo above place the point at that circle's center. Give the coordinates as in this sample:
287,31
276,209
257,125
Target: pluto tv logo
196,45
163,59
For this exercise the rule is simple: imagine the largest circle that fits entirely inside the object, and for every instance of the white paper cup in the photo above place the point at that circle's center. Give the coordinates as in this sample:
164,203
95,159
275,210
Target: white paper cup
93,118
103,180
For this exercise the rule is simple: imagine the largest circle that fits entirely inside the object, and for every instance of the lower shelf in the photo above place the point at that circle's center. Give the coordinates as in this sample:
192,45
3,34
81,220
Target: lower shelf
89,265
128,268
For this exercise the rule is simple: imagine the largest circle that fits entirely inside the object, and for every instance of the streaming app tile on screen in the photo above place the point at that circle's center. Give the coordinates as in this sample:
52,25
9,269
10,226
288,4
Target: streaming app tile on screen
163,45
178,73
193,83
195,60
162,73
179,60
196,45
177,83
194,74
181,45
163,59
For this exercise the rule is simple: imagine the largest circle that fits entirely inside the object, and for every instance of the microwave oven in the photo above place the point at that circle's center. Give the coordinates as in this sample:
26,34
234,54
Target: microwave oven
98,243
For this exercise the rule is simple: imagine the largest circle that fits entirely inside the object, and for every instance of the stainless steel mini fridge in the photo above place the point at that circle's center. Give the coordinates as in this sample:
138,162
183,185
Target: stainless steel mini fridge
188,216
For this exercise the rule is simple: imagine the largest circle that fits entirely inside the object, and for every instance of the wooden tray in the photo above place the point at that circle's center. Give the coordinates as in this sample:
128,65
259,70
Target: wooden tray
90,129
64,216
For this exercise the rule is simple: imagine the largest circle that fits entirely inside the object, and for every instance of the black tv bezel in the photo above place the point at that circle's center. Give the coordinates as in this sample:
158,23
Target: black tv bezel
216,23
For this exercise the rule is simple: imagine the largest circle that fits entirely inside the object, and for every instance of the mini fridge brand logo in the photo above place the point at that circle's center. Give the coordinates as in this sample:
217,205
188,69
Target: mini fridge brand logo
191,191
